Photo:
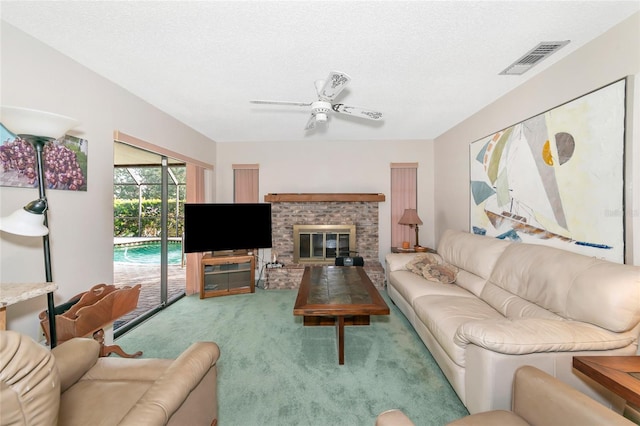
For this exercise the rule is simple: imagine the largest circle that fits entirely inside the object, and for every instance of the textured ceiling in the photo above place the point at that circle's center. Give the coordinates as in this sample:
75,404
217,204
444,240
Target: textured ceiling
427,65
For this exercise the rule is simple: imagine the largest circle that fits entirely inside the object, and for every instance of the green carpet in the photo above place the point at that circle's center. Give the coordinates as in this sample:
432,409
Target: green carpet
274,371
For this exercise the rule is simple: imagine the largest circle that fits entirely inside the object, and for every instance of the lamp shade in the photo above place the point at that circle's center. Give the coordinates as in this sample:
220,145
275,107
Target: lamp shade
24,121
24,222
410,217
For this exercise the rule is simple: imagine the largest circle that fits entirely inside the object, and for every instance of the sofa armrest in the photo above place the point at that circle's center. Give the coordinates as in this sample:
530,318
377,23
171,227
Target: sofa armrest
530,335
544,400
540,399
169,392
29,384
74,358
393,417
398,261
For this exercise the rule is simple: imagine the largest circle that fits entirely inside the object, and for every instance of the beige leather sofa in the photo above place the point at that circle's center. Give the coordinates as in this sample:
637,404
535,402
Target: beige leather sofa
515,304
538,399
71,385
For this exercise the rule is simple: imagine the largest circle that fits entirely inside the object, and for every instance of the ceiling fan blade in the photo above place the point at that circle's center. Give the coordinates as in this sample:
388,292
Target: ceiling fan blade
333,85
281,103
311,124
357,112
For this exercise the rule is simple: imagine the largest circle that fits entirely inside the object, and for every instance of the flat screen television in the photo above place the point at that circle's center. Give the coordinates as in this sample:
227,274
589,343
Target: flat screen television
219,226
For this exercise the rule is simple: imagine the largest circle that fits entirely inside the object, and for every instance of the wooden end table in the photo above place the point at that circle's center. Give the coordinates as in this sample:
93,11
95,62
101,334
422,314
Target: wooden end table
411,250
619,374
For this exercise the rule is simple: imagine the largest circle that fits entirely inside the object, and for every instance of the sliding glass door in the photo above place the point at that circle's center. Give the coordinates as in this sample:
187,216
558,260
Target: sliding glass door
149,195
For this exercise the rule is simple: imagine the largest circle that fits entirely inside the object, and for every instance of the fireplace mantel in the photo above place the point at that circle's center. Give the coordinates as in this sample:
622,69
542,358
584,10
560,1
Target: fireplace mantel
323,197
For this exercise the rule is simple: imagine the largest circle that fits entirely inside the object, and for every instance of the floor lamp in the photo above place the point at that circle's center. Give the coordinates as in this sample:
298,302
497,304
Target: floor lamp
37,128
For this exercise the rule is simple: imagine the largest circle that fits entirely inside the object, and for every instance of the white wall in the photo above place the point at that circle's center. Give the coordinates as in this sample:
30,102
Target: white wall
612,56
334,167
81,223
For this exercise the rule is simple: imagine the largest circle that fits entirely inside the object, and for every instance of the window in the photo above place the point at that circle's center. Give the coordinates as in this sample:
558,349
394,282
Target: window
404,195
245,183
137,195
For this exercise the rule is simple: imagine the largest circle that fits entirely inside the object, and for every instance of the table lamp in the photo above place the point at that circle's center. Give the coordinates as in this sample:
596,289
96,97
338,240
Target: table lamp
37,128
410,217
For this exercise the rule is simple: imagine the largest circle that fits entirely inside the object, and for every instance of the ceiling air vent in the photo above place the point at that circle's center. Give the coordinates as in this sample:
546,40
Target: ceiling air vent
533,57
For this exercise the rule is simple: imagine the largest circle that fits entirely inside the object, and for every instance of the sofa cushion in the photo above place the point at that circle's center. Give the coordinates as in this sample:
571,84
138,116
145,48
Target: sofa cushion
470,282
115,382
513,306
106,402
475,253
530,335
112,368
604,288
444,273
444,314
571,285
412,286
166,395
398,261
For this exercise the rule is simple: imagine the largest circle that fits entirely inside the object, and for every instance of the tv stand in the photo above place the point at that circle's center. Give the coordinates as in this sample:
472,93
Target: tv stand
222,275
227,253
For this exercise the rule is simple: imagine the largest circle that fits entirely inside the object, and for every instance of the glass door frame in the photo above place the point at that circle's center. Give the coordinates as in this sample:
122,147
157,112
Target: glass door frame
164,243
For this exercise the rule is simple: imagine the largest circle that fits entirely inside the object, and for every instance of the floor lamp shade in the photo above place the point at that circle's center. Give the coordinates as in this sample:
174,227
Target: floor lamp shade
24,121
24,222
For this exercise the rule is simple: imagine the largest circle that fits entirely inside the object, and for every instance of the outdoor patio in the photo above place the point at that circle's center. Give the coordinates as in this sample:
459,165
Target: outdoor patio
149,276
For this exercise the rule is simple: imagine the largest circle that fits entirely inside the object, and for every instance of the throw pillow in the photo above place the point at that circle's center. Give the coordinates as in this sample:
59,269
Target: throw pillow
417,264
444,273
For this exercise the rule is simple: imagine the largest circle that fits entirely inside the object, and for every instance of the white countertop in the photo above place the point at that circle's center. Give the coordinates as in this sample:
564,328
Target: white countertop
11,293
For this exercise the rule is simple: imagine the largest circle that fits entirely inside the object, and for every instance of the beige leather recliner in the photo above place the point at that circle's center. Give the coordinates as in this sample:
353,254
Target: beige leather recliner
72,385
538,399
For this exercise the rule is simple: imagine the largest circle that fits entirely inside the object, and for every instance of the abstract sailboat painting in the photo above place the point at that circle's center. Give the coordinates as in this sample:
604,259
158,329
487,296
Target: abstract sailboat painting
556,178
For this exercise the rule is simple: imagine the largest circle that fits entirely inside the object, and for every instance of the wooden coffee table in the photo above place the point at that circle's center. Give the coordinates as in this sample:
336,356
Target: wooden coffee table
338,295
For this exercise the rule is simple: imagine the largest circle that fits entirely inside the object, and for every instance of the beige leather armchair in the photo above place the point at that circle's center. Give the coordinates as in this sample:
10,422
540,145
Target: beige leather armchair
538,399
72,385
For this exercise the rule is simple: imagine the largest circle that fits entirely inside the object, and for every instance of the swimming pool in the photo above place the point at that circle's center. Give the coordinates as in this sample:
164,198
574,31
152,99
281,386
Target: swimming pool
147,253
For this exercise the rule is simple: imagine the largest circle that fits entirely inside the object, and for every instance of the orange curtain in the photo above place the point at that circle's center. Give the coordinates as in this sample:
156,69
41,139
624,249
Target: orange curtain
245,183
195,194
404,195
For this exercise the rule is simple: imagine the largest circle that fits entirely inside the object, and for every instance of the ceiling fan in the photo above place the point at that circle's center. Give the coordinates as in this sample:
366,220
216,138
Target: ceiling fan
327,91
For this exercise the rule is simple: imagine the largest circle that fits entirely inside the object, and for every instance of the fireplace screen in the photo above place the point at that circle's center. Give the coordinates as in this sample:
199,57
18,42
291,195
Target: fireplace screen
322,243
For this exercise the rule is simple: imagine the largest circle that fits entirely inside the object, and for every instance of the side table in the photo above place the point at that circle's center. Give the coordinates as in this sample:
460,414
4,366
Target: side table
11,293
411,250
619,374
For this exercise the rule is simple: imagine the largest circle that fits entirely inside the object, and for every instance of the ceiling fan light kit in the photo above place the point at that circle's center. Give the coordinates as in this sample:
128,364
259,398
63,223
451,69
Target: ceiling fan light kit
320,109
327,91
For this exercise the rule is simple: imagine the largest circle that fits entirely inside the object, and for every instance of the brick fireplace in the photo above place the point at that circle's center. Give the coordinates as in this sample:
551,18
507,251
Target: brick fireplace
288,210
